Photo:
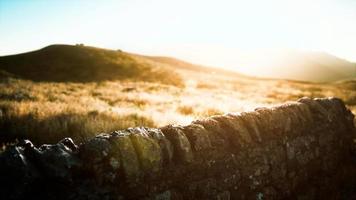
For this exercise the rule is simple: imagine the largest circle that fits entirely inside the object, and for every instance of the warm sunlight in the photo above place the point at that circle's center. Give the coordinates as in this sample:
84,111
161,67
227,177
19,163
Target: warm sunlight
214,33
177,99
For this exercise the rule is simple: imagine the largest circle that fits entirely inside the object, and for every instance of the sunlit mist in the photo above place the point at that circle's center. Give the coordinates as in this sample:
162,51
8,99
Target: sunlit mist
246,36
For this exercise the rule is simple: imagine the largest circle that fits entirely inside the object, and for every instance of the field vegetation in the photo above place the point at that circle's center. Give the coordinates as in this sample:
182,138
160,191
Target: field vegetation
46,111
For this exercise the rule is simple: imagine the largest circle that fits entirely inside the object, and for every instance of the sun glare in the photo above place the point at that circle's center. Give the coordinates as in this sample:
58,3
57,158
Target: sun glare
214,33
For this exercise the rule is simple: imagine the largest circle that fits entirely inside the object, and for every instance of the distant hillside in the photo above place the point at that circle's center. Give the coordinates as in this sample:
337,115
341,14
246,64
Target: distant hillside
180,64
290,64
68,63
306,66
62,63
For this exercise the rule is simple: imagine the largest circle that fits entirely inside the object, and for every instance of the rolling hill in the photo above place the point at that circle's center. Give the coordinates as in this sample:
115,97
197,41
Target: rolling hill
304,66
175,63
67,63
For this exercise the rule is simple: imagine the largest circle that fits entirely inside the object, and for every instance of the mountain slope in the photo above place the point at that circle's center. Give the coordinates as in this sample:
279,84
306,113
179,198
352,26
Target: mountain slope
183,65
62,63
306,66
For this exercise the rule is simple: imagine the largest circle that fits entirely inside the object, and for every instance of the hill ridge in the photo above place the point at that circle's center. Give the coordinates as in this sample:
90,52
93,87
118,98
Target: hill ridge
69,63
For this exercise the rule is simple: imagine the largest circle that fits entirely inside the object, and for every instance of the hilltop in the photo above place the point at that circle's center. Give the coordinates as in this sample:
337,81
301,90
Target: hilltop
68,63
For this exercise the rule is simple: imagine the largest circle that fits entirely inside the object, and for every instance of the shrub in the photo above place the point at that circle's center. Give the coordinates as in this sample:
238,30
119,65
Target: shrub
185,110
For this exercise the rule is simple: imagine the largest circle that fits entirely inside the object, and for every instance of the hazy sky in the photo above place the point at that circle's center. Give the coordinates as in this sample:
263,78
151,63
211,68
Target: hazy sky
216,33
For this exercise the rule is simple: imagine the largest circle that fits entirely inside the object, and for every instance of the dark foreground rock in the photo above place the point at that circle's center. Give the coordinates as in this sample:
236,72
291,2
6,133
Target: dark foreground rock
300,150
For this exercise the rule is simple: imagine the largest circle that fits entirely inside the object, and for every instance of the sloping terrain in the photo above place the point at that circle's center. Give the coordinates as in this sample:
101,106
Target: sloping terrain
66,63
178,64
78,91
306,66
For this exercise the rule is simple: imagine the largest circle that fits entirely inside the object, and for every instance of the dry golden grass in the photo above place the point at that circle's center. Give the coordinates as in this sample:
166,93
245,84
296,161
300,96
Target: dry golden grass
46,112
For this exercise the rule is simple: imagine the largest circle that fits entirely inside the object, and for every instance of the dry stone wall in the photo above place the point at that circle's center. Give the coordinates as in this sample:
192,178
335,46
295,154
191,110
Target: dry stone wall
299,150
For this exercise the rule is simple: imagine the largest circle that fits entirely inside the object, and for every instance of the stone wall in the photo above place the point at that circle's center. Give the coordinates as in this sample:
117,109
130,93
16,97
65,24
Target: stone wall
299,150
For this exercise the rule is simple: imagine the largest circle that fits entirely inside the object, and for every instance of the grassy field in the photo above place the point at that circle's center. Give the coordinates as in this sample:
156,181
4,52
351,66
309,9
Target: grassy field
79,91
49,111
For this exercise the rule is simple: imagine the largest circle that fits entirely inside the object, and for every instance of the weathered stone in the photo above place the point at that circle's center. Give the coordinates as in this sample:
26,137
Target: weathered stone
164,143
272,153
223,196
316,108
148,150
240,136
164,196
197,136
279,121
129,160
266,117
96,149
217,134
182,148
57,160
102,158
290,151
296,123
17,173
251,121
305,114
203,189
